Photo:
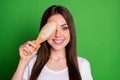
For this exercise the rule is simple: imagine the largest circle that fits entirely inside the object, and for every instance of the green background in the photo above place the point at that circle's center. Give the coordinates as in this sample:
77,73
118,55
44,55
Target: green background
97,25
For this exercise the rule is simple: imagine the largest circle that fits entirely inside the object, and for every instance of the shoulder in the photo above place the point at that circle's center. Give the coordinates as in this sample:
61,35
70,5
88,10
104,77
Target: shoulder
29,67
82,61
84,67
83,64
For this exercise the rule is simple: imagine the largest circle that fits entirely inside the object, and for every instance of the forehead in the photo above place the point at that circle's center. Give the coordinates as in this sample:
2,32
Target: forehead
59,19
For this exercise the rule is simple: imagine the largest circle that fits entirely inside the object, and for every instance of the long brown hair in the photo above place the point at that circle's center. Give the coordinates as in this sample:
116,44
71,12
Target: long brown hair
44,51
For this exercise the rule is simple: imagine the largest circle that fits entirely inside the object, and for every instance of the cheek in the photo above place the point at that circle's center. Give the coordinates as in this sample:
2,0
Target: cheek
49,41
67,35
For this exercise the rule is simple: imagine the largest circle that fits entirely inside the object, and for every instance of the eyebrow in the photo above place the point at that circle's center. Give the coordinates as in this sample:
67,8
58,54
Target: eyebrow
64,24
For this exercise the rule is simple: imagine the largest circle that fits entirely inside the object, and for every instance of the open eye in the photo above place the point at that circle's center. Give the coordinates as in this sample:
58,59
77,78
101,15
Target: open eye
65,28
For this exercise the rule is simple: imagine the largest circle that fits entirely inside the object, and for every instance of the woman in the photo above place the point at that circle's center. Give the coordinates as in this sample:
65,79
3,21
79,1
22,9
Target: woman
57,58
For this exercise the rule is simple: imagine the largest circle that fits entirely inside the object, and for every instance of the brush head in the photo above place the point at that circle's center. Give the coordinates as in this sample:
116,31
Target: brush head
46,32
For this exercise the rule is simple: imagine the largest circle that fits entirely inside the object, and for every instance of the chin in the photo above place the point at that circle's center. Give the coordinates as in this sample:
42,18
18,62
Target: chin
58,48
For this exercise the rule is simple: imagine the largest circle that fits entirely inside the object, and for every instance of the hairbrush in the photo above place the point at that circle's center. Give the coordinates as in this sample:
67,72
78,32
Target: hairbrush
45,33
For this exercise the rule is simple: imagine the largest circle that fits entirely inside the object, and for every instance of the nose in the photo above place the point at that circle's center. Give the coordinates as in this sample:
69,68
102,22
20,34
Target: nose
57,33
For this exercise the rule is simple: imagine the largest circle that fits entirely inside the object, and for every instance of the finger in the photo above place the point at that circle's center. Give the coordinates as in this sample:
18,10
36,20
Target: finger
31,49
21,48
28,47
32,44
26,51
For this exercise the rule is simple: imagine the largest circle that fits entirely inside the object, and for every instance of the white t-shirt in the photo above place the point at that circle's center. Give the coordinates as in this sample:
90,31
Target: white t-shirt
47,74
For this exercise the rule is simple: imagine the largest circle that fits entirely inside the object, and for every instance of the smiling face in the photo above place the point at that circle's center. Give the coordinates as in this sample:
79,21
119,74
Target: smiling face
61,37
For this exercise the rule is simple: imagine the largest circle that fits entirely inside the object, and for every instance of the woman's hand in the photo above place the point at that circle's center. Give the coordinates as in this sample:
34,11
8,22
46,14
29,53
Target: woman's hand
28,50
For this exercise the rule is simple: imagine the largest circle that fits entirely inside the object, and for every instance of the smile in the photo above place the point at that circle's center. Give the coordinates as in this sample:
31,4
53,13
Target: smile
58,42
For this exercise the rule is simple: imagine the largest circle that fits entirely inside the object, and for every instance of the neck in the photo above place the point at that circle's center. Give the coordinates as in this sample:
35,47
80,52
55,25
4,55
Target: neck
57,54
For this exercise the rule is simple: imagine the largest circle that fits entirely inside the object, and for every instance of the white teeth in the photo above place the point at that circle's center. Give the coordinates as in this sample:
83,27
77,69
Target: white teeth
58,41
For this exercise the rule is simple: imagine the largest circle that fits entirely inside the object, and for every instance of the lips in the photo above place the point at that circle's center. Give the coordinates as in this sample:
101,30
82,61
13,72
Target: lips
57,41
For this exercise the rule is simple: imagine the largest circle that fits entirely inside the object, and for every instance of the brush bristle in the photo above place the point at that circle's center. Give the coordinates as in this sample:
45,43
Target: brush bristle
47,31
